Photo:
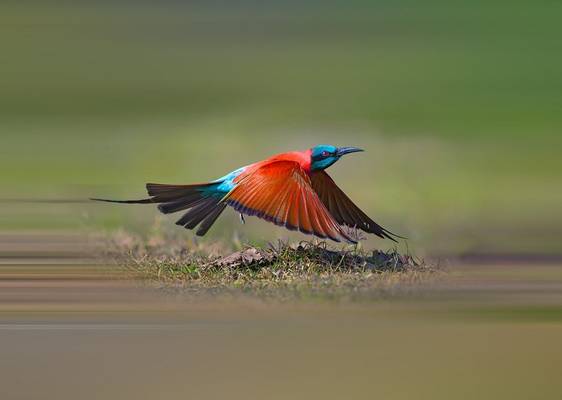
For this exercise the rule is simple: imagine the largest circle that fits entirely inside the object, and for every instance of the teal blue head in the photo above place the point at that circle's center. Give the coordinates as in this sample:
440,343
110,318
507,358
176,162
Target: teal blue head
325,155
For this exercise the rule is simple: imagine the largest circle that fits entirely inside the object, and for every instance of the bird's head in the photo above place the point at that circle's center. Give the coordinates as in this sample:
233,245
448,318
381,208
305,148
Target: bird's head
325,155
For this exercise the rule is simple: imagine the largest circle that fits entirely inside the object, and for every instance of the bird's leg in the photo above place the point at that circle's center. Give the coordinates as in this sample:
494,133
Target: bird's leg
242,218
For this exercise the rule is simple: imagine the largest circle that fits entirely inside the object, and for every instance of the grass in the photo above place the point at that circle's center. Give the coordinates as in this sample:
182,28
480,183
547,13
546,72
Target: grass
304,270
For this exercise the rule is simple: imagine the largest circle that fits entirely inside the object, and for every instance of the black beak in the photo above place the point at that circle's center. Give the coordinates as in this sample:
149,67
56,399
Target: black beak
346,150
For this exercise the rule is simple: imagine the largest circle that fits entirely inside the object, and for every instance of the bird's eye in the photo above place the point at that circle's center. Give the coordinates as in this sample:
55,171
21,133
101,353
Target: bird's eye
325,154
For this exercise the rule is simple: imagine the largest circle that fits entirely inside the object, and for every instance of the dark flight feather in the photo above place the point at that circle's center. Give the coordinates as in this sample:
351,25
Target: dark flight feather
343,209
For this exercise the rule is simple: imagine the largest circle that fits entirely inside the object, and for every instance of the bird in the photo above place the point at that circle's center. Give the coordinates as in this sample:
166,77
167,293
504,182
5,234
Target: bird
290,189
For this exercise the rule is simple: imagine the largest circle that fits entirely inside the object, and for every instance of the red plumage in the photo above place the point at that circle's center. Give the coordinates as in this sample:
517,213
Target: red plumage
279,190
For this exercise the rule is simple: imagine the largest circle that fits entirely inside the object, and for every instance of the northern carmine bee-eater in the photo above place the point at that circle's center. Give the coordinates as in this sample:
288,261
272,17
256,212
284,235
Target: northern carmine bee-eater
289,189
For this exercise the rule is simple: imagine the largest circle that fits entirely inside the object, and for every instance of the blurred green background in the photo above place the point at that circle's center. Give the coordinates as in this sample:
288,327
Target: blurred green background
458,104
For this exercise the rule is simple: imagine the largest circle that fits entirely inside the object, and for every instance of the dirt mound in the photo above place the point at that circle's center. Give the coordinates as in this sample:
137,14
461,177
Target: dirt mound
317,253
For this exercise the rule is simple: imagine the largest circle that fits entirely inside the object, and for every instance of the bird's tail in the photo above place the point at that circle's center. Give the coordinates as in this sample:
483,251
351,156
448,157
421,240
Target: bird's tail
203,203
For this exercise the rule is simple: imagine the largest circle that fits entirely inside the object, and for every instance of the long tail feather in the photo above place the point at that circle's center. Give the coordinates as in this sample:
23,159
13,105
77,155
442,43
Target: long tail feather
203,206
141,201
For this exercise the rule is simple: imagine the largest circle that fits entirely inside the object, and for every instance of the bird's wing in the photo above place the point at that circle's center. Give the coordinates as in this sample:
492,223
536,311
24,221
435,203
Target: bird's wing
342,208
281,192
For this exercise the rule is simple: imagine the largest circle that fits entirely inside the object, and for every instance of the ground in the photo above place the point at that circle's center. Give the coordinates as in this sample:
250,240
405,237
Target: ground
307,269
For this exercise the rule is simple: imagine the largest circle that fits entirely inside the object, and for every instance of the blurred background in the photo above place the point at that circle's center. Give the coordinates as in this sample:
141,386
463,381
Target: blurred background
458,105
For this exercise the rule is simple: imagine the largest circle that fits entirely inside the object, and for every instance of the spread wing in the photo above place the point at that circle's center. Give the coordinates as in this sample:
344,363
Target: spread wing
281,192
344,211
